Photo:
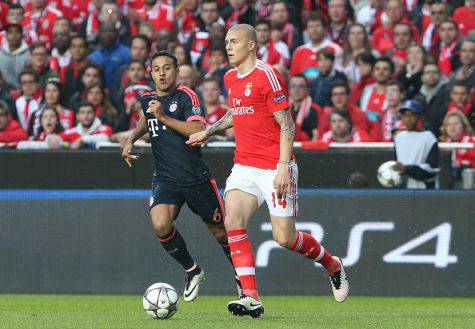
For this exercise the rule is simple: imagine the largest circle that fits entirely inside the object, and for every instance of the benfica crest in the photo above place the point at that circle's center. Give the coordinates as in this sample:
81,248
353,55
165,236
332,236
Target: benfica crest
247,92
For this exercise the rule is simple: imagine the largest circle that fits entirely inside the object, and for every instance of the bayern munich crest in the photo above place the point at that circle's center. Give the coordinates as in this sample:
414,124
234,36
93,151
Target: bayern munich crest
173,107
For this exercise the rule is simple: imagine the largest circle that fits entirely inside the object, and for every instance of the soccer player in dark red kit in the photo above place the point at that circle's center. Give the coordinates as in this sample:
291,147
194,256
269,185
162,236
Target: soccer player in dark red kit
264,169
170,116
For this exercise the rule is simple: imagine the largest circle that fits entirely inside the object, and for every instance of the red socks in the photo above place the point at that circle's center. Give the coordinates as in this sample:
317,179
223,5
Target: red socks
243,260
306,245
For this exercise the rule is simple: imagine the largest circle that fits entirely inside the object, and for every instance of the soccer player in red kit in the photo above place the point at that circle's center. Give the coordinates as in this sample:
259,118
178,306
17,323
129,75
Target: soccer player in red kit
264,169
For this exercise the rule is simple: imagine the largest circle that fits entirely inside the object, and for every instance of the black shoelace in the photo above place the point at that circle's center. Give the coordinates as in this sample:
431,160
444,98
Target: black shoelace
336,279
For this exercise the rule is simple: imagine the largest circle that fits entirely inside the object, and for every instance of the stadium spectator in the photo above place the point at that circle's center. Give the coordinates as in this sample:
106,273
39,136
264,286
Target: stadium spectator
449,48
210,89
410,75
76,11
403,35
342,130
188,76
341,14
417,151
52,98
383,36
39,22
217,64
460,100
90,75
49,124
277,36
14,55
456,128
395,97
304,111
263,9
430,37
5,94
340,100
280,13
104,110
434,97
216,40
373,100
187,19
130,116
266,50
368,13
466,71
465,17
242,13
320,87
10,130
60,55
160,14
304,59
39,62
200,39
87,132
111,54
27,104
365,65
146,28
14,16
356,42
135,75
182,55
70,75
140,49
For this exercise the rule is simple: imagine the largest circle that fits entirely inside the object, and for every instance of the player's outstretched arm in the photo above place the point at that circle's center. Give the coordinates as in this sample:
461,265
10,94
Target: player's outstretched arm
287,136
138,132
222,124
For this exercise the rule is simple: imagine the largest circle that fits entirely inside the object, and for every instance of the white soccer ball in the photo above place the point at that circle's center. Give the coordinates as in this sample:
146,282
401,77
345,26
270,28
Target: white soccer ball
387,176
160,301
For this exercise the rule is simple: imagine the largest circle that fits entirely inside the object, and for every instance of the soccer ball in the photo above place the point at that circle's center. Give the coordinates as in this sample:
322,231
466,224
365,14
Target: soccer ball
387,176
160,301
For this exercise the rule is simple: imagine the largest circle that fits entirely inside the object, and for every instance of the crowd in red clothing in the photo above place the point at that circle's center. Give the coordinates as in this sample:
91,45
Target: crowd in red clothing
71,70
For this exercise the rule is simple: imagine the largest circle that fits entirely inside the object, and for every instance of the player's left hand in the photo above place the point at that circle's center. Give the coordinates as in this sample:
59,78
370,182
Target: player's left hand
399,167
156,108
282,181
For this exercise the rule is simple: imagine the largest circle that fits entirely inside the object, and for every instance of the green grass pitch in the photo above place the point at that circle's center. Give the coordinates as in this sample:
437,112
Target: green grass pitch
79,311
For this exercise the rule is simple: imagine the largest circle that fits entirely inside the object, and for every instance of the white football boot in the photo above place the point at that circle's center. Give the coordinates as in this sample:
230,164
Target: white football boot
340,284
246,306
192,286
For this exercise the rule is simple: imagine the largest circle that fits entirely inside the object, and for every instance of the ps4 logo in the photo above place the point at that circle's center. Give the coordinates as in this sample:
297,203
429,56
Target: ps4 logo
400,255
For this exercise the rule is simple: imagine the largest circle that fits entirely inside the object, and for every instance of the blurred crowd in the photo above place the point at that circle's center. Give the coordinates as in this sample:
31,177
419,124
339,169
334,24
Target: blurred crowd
72,71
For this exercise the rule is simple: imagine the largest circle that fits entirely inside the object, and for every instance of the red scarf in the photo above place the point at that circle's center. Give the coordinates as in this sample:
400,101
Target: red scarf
459,106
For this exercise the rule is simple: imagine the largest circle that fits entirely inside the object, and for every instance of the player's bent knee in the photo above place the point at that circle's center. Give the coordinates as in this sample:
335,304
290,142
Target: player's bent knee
162,225
284,240
219,233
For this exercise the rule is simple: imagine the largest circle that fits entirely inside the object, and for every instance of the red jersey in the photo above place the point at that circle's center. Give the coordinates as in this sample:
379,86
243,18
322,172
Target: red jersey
66,119
216,115
463,156
162,16
304,59
254,97
40,25
465,19
95,133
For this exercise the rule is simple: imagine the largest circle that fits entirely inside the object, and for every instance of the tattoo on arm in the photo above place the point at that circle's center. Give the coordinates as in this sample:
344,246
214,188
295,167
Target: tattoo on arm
222,124
287,127
140,130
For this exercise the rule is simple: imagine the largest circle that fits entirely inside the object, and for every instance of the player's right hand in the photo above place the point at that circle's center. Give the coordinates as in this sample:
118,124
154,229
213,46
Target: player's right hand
127,156
197,139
